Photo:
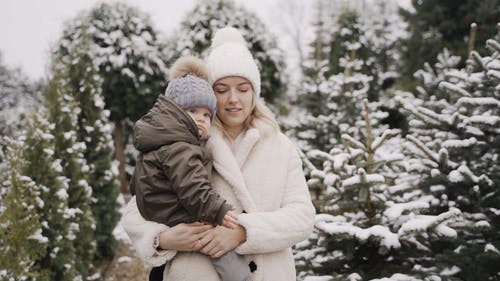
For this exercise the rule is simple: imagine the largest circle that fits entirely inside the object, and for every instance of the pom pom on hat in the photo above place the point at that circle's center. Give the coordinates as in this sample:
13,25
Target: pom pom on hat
227,35
229,56
188,65
188,86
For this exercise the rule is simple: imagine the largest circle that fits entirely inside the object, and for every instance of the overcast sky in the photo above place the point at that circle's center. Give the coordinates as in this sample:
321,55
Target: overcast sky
29,27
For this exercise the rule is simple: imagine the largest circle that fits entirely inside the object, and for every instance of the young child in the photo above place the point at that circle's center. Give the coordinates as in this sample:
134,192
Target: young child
171,180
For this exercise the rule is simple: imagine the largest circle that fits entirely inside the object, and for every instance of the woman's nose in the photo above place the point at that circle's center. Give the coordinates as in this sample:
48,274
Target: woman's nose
233,96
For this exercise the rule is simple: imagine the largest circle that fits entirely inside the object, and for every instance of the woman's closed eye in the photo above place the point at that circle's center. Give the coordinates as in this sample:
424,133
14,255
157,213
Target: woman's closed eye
243,89
221,90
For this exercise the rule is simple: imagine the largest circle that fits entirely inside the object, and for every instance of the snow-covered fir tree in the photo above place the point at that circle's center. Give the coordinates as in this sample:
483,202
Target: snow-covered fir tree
125,47
82,83
455,140
63,113
372,222
21,239
374,32
197,29
45,182
332,97
351,58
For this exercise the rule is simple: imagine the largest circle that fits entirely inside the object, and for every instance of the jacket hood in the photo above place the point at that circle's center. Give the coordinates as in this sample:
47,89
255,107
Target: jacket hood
164,124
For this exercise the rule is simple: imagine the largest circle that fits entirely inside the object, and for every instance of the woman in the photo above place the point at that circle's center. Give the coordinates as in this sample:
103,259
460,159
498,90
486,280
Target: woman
256,169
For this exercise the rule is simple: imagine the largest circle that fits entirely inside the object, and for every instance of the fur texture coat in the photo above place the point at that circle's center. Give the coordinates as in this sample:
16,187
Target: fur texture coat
260,175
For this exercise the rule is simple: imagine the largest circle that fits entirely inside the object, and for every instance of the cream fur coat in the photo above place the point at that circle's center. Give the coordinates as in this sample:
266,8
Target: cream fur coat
262,175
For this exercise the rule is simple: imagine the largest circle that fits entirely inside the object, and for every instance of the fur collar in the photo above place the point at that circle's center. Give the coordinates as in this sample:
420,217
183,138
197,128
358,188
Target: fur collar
229,165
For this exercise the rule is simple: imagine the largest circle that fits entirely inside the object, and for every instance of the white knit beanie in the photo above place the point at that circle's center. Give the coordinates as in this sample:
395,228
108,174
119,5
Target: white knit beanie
229,56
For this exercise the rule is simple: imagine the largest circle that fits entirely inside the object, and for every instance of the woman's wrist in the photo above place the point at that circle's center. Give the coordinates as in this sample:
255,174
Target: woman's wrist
163,240
242,234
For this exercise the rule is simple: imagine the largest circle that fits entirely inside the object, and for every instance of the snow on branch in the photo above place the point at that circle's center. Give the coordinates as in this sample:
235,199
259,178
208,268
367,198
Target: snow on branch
440,118
494,74
305,160
400,277
353,142
451,88
491,248
459,143
320,155
485,120
387,238
478,60
396,210
423,223
488,101
388,134
463,172
493,45
418,113
363,178
422,147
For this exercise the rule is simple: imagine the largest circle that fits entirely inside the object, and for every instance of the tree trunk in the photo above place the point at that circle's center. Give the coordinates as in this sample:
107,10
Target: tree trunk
120,156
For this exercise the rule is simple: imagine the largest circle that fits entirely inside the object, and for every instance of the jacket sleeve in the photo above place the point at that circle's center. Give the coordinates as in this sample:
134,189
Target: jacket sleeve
143,235
192,185
293,222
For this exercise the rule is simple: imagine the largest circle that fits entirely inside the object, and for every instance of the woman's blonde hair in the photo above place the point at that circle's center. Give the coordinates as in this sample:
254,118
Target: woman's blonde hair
260,117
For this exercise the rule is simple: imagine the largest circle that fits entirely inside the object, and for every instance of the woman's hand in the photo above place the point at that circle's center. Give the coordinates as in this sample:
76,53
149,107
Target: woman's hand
184,237
220,240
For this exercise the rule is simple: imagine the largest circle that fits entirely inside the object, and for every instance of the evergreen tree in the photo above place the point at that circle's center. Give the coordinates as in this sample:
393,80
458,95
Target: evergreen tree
21,239
207,17
435,25
345,66
59,259
332,101
370,223
94,130
370,36
124,46
455,139
63,113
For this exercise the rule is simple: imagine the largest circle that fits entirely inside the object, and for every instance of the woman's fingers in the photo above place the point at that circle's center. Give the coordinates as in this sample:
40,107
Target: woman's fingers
184,237
199,229
230,220
206,237
217,255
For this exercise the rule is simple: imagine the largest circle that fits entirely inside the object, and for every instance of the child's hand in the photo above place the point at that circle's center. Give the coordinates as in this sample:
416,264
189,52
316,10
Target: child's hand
230,220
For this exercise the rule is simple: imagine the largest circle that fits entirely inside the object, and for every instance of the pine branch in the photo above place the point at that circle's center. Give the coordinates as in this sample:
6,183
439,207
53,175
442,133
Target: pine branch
439,118
353,142
420,145
410,108
305,160
494,75
475,102
478,60
493,45
426,223
320,155
453,89
388,134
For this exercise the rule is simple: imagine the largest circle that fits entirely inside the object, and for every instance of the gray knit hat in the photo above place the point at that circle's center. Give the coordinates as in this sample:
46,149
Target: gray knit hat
190,91
188,86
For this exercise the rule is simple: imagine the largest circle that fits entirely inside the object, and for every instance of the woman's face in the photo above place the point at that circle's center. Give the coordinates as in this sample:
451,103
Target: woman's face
234,101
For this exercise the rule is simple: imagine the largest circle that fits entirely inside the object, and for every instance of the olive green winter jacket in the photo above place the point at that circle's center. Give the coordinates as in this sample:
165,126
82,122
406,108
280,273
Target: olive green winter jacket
171,180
